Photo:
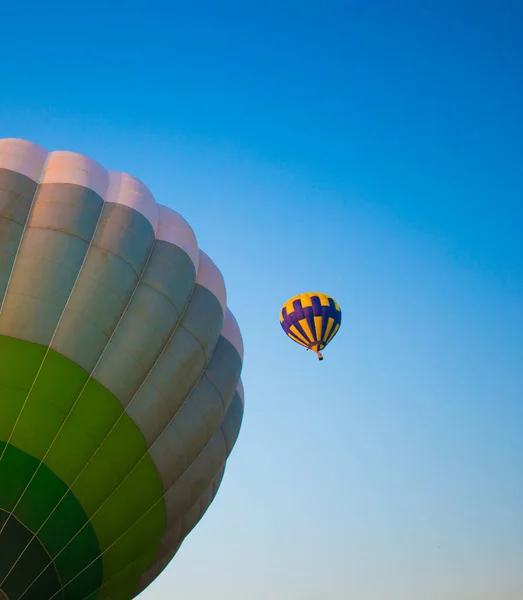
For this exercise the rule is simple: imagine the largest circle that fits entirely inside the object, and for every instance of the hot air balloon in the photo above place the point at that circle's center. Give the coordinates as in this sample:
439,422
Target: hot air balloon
120,390
311,320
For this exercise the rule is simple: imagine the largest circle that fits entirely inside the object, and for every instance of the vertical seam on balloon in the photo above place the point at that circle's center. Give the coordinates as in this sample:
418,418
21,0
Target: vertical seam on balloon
29,214
124,312
219,429
177,325
44,548
227,454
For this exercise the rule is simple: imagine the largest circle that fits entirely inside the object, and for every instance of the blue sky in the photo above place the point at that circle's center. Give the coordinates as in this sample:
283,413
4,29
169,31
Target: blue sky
370,150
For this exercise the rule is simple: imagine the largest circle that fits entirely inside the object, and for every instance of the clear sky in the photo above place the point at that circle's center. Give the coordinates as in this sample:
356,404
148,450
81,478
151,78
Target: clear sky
370,150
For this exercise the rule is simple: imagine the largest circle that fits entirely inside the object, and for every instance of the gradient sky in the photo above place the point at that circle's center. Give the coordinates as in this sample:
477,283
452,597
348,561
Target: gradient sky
369,150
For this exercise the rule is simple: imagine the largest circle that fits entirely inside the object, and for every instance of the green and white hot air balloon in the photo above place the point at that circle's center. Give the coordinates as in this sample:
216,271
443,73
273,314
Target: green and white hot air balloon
120,391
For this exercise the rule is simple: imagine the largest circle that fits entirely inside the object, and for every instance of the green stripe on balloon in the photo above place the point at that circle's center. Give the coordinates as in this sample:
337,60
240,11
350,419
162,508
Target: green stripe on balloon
84,434
17,532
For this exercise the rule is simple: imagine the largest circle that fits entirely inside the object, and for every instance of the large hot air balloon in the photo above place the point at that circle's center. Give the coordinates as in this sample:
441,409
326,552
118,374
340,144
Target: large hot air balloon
120,391
311,320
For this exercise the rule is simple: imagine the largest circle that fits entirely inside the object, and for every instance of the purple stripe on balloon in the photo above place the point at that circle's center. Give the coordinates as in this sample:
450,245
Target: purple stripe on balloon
316,306
324,321
311,312
302,331
298,310
286,323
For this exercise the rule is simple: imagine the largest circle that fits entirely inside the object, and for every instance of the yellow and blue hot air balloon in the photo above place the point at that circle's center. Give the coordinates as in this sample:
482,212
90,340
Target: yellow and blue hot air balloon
311,319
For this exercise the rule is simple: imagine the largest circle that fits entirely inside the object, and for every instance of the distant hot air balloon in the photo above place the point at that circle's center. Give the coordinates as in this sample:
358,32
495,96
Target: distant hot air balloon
311,320
120,390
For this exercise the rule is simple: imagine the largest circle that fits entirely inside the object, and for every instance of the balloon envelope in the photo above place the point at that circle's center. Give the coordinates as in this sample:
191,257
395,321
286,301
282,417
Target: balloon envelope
311,320
120,391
